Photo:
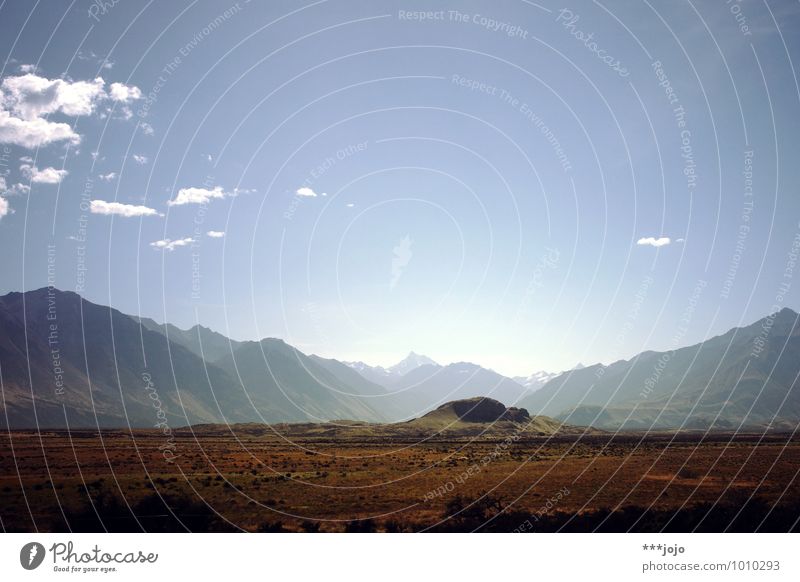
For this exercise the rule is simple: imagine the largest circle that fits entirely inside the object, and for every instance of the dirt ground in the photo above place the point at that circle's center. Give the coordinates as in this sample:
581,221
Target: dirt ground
269,483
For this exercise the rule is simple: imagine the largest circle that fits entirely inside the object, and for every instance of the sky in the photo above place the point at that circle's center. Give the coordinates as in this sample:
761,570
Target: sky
521,185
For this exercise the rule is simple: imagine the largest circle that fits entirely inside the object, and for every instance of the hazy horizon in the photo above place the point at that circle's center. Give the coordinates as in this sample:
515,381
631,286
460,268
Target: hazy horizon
393,359
474,184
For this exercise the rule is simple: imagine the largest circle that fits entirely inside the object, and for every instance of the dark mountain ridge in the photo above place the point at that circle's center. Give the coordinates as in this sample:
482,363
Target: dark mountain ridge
745,377
67,362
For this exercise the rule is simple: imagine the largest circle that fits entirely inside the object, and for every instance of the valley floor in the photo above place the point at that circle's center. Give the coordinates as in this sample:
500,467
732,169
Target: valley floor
260,481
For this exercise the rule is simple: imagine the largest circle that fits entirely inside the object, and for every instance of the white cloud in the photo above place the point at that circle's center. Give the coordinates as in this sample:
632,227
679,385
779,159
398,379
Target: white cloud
4,208
44,176
147,129
171,245
124,93
104,61
141,160
13,190
350,205
119,209
25,69
31,96
304,191
28,98
34,133
197,196
654,242
215,233
107,177
125,113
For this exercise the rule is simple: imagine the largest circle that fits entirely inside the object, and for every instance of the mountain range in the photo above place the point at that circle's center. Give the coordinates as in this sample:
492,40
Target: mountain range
390,375
86,365
747,377
67,362
540,378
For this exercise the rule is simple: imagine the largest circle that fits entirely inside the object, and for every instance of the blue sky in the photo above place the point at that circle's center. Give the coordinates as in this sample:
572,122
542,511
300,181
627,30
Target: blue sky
491,182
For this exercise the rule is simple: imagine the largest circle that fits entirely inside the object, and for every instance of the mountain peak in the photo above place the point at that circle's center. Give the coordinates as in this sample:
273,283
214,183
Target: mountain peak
535,380
411,362
40,292
785,313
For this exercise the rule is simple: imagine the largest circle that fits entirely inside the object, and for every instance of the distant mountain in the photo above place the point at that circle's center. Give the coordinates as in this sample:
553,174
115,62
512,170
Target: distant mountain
350,376
375,374
417,384
65,361
535,380
428,386
388,376
540,378
202,341
285,385
411,362
745,377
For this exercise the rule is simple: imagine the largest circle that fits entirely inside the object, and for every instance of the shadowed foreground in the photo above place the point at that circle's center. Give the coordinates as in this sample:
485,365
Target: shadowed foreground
257,480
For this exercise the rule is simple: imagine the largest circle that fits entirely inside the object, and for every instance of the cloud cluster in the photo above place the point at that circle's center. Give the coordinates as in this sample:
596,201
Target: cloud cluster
33,133
5,208
119,209
171,245
44,176
16,189
198,196
124,93
31,96
215,233
26,100
654,242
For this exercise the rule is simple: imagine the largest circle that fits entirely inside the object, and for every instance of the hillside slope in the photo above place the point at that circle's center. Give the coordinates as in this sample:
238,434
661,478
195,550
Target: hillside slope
67,362
745,377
